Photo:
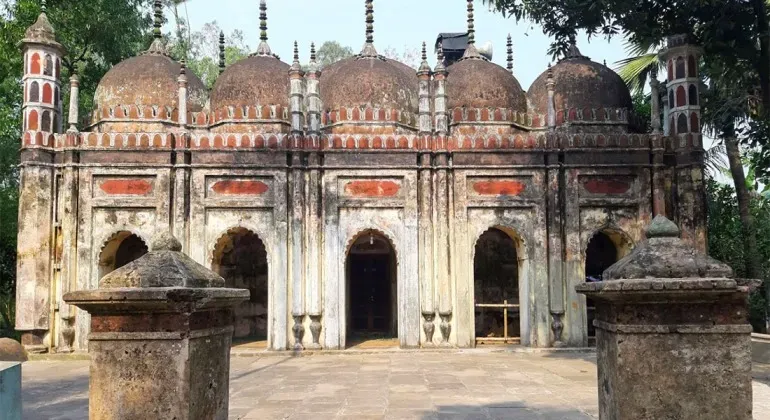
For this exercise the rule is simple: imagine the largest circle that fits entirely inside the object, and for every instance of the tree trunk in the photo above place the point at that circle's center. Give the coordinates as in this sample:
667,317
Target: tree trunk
763,27
752,261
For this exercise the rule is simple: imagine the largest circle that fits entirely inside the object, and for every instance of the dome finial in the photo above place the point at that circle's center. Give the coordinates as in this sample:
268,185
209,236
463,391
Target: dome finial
471,27
369,50
296,52
222,61
263,48
43,6
424,66
510,53
312,51
158,22
573,51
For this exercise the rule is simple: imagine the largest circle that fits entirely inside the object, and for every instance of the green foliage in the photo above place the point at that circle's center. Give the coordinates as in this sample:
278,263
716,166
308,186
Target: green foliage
97,34
331,52
726,238
643,109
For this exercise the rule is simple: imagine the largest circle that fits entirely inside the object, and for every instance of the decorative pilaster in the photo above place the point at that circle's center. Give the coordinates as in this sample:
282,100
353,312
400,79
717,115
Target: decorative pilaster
182,100
297,204
550,84
655,101
313,295
74,103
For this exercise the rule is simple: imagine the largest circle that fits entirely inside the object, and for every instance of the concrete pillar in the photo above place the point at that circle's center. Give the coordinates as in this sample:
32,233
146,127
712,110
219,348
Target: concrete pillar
10,391
673,337
161,330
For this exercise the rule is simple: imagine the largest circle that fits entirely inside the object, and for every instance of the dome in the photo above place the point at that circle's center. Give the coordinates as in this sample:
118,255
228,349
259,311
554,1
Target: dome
255,80
580,83
478,83
148,80
374,82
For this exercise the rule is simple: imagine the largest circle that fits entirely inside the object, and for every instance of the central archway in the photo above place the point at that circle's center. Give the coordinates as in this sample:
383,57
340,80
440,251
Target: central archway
372,289
241,258
496,288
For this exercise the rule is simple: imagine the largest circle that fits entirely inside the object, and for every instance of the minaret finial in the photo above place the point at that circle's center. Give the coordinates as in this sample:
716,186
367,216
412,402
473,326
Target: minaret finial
296,52
510,53
43,6
471,27
263,48
312,51
424,51
222,60
158,23
424,66
368,51
370,21
263,20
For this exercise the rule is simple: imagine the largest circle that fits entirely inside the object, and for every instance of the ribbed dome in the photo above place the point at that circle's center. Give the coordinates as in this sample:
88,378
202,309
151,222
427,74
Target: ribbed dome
369,81
255,80
148,80
580,83
478,83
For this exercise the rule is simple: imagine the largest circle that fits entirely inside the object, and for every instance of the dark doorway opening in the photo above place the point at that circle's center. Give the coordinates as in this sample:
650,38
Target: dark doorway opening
372,313
240,257
601,254
123,248
496,288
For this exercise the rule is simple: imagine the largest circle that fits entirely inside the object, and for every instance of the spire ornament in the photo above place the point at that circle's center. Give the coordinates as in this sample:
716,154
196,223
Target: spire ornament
222,60
510,53
368,51
440,64
471,52
296,66
424,66
43,6
157,47
264,48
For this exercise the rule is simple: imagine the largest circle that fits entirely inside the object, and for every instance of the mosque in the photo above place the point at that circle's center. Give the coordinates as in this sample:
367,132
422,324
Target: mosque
437,206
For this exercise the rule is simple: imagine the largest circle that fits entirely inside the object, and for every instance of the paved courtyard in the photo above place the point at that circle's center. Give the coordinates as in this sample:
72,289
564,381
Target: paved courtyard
479,384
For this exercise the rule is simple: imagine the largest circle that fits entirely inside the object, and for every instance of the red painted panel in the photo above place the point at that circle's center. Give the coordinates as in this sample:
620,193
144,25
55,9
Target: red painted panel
126,187
372,188
504,188
607,186
240,187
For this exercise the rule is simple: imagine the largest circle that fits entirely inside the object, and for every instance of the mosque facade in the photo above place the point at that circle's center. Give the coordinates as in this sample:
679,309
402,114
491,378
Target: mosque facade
438,206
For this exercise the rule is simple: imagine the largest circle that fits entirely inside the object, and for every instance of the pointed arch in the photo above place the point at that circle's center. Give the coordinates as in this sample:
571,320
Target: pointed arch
33,120
680,68
47,93
693,95
681,96
34,92
34,64
694,123
119,249
371,280
692,67
240,257
681,124
48,68
45,121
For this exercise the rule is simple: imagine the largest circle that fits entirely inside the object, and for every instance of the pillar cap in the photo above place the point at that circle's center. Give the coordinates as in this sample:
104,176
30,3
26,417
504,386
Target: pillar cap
164,266
664,255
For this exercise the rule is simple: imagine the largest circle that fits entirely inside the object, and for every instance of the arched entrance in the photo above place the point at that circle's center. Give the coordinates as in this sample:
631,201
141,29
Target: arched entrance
496,288
124,247
604,249
240,257
372,295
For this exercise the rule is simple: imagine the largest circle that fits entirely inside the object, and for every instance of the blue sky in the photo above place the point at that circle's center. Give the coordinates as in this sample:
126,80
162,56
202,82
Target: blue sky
400,24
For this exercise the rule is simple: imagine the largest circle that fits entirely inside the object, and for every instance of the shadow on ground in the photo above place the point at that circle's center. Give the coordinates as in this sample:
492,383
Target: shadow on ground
514,410
61,399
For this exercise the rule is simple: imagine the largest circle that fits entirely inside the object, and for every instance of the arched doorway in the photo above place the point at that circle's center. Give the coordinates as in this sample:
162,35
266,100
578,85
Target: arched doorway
601,253
122,248
496,288
372,294
241,258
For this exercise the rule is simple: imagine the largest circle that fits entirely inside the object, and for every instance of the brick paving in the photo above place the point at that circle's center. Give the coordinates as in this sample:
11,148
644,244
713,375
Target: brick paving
478,384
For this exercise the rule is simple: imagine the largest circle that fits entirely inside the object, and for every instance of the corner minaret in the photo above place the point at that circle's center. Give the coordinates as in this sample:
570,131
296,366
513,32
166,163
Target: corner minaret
683,115
41,106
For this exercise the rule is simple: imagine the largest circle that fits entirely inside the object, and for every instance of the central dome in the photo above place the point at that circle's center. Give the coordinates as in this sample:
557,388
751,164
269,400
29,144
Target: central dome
478,83
255,80
374,82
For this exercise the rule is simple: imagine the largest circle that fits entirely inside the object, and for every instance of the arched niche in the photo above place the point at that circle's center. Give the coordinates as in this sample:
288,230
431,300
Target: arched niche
240,257
122,248
496,275
604,249
371,281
